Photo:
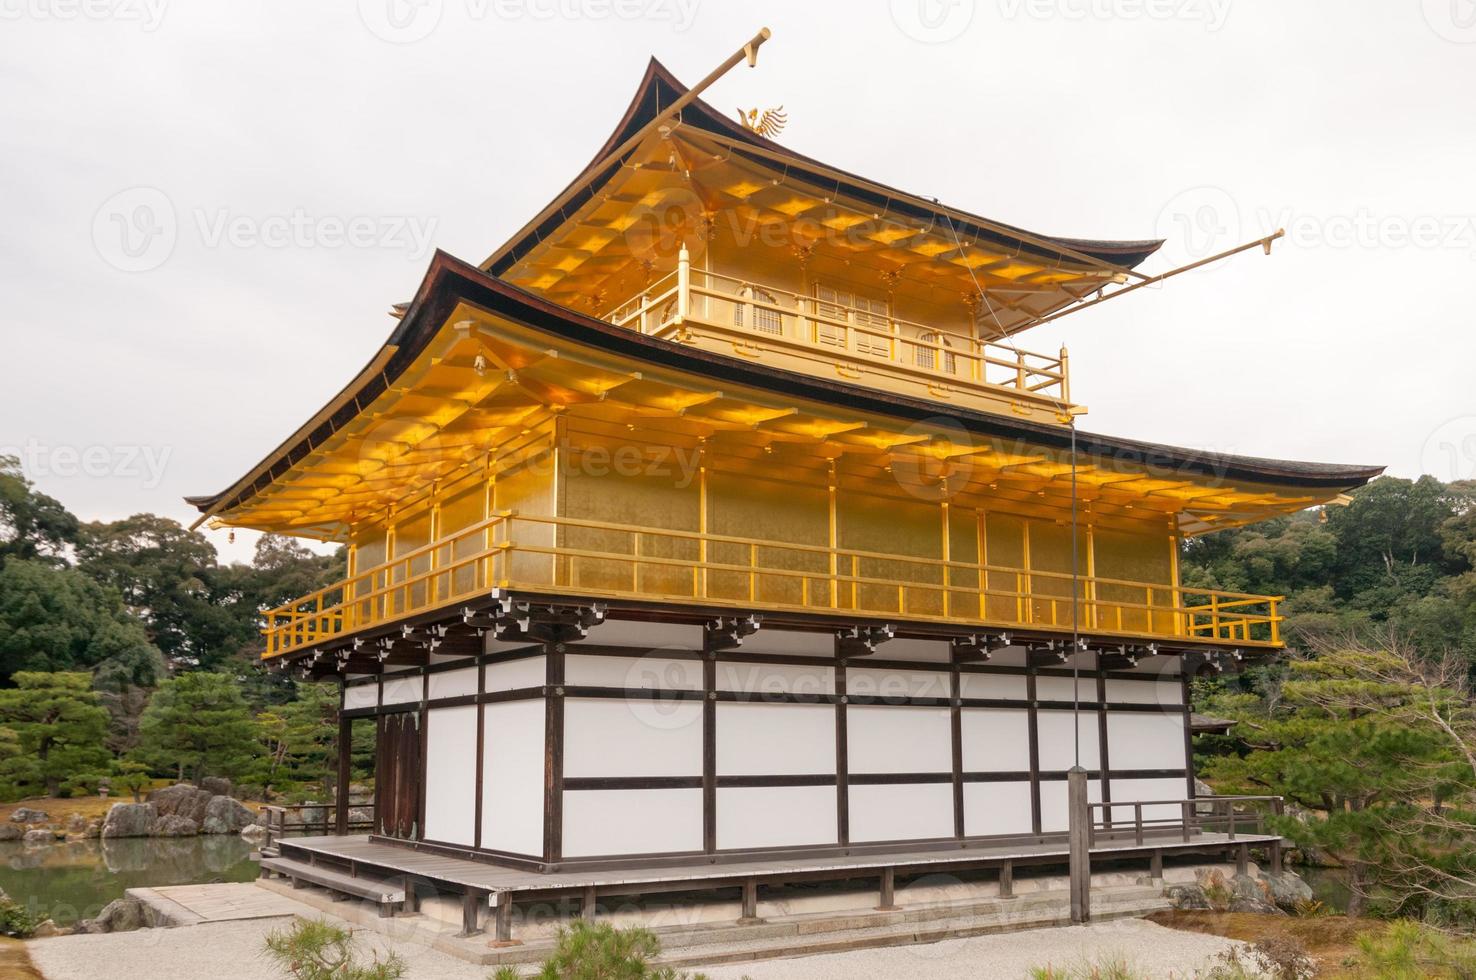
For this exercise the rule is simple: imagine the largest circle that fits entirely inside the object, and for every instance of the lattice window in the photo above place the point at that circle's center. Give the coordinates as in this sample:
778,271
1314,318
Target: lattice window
868,313
761,319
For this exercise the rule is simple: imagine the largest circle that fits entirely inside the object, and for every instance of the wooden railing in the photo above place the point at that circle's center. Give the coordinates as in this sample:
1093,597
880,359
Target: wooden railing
759,312
1233,816
592,558
289,819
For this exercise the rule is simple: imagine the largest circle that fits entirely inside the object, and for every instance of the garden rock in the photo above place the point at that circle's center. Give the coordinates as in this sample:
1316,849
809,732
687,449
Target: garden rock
1249,894
216,786
1187,897
24,814
254,832
1287,889
130,820
40,835
120,915
10,832
182,799
226,816
173,825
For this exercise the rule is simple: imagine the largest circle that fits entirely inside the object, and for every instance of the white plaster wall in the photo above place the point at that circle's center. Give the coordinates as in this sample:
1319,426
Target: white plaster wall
995,739
893,738
901,812
992,686
451,775
1145,740
775,816
760,678
1057,740
605,737
453,683
791,642
632,821
645,636
880,682
513,675
1146,691
361,696
996,808
1053,813
512,777
398,689
929,651
1128,790
1060,688
756,739
644,673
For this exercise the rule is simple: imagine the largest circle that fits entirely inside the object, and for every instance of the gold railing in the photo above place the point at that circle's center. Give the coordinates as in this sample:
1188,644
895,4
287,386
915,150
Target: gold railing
591,558
758,312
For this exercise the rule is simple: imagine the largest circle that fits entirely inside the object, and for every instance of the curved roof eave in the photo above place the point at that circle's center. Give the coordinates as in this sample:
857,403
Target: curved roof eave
659,87
450,281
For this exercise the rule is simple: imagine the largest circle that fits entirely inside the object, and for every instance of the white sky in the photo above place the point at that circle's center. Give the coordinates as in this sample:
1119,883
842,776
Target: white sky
1348,121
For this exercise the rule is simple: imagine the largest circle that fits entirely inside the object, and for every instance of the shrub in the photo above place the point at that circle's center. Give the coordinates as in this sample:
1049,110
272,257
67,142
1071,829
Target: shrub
1113,966
15,921
315,950
602,952
1409,950
1274,957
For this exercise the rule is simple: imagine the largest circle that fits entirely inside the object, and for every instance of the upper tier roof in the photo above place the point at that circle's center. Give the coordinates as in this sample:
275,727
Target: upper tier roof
705,161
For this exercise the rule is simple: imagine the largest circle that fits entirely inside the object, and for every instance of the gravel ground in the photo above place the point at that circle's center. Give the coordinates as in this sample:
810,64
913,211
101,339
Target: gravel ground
1150,949
232,949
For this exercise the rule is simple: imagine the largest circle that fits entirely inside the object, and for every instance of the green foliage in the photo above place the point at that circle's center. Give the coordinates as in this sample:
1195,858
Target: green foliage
1413,951
1399,558
1377,749
300,743
16,921
57,619
200,723
59,728
33,526
316,950
602,952
1111,966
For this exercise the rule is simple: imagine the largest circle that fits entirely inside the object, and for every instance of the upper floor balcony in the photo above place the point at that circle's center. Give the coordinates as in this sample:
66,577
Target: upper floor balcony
841,335
584,558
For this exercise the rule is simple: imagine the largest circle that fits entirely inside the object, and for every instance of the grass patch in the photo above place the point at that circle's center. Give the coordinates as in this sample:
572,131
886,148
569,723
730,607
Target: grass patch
1330,939
15,963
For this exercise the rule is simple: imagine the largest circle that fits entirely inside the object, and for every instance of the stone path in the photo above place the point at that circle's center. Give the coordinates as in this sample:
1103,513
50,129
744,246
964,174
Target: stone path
189,905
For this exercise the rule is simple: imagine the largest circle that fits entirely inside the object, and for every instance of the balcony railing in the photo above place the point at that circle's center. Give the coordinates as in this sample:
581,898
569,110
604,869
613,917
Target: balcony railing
590,558
758,313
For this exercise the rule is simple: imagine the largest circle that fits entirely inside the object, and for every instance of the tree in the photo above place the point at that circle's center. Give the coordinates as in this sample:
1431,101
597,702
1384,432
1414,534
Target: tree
300,741
59,727
33,526
1378,749
200,724
58,619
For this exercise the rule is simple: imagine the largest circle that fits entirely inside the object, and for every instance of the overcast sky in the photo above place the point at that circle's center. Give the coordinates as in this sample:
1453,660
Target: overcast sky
178,182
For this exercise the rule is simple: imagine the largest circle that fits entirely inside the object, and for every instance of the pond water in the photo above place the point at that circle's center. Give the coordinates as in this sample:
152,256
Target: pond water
1329,886
72,880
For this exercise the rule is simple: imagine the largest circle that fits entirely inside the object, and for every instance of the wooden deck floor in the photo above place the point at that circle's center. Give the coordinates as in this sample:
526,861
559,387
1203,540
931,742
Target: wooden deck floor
374,857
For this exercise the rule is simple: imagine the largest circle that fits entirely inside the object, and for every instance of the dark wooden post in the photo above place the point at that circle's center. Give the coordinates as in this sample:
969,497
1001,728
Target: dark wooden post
503,914
1007,880
471,901
1080,825
1155,865
345,757
1242,859
590,903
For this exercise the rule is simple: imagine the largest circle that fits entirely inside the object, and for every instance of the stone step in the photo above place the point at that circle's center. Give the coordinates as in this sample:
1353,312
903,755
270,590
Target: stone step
386,893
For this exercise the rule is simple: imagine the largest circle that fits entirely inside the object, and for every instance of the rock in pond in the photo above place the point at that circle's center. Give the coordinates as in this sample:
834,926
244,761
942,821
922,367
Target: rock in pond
130,820
24,814
173,825
40,835
183,800
120,915
226,816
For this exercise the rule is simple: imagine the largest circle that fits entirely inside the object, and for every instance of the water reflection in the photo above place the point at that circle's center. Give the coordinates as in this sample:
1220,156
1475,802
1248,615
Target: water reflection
75,879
